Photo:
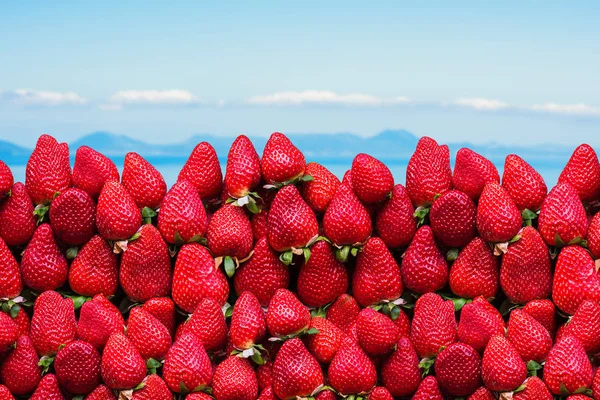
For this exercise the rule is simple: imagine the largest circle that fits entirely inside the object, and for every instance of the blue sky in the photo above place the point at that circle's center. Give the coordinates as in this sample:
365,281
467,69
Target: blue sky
523,72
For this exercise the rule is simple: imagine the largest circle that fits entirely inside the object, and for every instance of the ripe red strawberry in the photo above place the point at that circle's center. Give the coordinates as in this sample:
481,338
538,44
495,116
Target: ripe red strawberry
583,173
43,265
544,312
378,393
502,368
77,367
452,219
322,279
101,392
343,312
154,389
22,321
326,342
92,170
372,180
17,223
6,180
531,340
458,369
433,325
482,393
48,170
163,309
5,394
428,172
195,277
377,334
295,371
208,324
146,266
429,389
498,218
94,269
20,371
593,236
147,334
248,324
400,372
145,184
53,323
286,315
479,321
568,367
424,268
259,225
525,272
264,374
98,320
73,217
8,332
395,222
475,271
281,160
575,279
122,365
472,172
182,216
117,215
523,183
351,371
320,190
263,274
596,384
562,217
235,379
535,389
203,170
402,322
585,325
187,366
242,174
48,389
377,275
201,396
11,283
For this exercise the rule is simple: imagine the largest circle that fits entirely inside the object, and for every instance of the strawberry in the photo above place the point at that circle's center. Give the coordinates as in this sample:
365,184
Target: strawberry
242,173
429,389
94,269
475,271
502,368
122,365
458,369
583,173
567,368
400,372
92,170
575,279
48,389
48,170
281,161
182,217
428,172
379,393
534,389
53,323
248,324
263,274
320,190
351,371
479,321
101,392
8,332
147,334
498,218
377,334
326,394
117,215
145,184
98,320
452,219
77,367
6,180
22,321
343,312
17,223
195,277
295,371
187,366
525,272
395,222
544,312
73,217
322,279
259,225
593,236
208,324
562,217
20,371
433,325
11,283
482,393
523,183
235,379
286,315
43,265
325,343
372,180
402,322
472,172
531,340
585,325
264,375
146,266
163,309
596,384
377,275
424,268
154,389
5,394
229,236
201,396
203,170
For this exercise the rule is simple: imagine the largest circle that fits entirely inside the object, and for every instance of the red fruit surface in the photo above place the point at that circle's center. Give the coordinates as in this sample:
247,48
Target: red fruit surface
472,172
43,265
6,180
452,219
143,181
377,333
48,389
346,221
351,371
531,340
400,372
154,389
535,389
20,371
98,320
203,170
77,367
147,334
395,222
319,192
475,271
429,389
48,170
576,279
182,214
428,172
11,283
498,218
281,160
208,324
242,174
248,324
53,323
479,321
563,216
187,363
117,215
73,217
325,343
424,268
295,371
567,365
17,223
94,269
235,379
585,326
343,312
92,170
502,368
523,183
458,369
372,180
583,173
286,315
230,232
122,366
433,326
544,312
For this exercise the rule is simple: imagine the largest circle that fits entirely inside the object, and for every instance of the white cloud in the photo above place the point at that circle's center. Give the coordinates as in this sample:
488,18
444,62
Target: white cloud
28,97
568,109
480,103
323,97
154,97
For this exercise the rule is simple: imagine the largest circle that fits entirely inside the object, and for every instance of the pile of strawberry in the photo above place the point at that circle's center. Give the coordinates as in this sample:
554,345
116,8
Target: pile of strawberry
279,281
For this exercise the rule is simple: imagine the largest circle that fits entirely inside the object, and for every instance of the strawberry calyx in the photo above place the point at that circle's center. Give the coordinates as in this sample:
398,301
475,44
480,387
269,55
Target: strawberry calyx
202,388
452,254
528,216
249,201
231,264
342,253
293,181
78,300
459,302
152,365
148,214
391,308
287,257
426,364
501,248
301,332
128,394
254,353
533,368
13,306
421,214
40,212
